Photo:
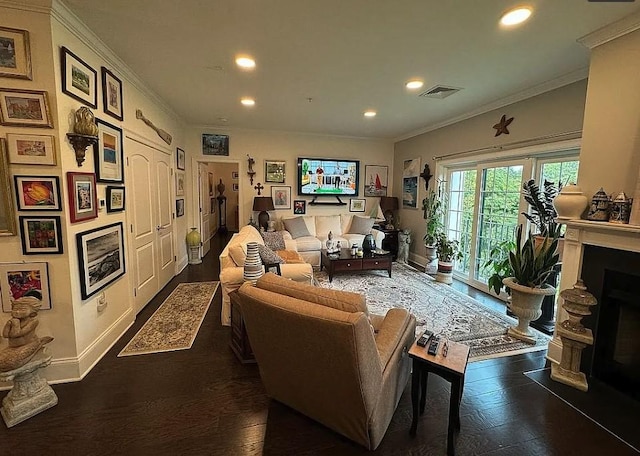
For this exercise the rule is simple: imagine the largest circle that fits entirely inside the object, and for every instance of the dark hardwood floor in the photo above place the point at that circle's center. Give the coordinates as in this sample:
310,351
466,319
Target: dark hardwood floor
202,401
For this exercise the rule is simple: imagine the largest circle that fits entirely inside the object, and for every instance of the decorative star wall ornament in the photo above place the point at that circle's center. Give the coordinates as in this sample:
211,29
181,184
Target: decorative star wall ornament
501,127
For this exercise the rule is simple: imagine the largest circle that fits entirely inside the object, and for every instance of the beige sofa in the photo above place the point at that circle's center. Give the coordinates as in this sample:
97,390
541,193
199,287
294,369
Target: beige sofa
329,364
232,266
319,226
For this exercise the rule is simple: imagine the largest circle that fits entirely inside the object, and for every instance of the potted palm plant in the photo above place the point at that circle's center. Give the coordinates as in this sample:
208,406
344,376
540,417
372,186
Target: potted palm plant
433,211
448,251
531,266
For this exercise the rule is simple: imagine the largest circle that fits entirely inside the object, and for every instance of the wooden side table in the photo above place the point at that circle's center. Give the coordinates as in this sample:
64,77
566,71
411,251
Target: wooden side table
239,338
452,368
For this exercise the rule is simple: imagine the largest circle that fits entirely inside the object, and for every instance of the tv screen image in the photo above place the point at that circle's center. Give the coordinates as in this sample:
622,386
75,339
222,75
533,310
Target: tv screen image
331,177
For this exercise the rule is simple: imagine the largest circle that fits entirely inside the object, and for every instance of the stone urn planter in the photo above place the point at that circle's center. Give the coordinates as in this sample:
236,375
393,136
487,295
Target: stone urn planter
526,304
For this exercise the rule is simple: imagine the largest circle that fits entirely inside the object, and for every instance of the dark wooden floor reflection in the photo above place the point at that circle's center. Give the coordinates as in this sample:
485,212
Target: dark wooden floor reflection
202,401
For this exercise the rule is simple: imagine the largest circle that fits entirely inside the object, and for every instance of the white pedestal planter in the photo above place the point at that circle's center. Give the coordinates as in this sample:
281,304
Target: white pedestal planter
526,304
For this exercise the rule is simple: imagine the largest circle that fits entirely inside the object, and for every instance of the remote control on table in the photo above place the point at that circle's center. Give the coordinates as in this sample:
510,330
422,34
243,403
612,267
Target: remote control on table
424,339
433,346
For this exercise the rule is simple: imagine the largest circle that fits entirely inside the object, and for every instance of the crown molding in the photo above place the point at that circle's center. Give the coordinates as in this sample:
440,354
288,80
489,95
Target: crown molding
22,6
539,89
67,18
612,31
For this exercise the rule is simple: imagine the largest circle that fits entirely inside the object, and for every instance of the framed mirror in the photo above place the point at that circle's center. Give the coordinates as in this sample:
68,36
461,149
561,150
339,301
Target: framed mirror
7,210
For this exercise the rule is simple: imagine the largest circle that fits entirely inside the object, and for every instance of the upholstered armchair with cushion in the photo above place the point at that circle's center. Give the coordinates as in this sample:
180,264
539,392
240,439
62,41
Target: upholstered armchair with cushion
232,265
334,362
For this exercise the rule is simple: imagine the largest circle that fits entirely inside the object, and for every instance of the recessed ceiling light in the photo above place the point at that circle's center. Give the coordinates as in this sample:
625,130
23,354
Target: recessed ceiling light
515,16
415,84
248,101
245,62
370,113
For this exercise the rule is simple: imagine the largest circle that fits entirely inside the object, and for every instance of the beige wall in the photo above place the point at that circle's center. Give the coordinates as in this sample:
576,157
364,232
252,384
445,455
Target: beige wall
555,112
264,145
610,155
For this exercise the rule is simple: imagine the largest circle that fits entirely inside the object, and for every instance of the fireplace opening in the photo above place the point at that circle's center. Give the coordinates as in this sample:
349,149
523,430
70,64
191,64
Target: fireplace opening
612,276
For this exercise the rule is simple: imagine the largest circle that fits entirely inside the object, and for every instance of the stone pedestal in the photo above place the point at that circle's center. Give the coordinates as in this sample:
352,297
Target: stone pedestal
31,394
568,371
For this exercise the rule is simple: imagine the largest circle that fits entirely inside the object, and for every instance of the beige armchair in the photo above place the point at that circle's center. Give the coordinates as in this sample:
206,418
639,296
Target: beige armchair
318,353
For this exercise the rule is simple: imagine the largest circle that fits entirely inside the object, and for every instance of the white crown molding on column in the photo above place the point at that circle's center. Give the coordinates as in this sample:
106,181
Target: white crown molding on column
610,32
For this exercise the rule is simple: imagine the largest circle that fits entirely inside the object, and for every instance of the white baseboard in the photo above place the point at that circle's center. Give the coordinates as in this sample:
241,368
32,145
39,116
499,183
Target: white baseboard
181,264
554,351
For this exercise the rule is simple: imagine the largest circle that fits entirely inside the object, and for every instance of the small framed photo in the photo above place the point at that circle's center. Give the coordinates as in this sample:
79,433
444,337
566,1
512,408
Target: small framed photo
112,94
24,108
83,202
38,193
79,80
41,235
19,280
115,199
100,257
299,207
31,149
235,187
15,55
357,204
180,183
281,195
109,157
234,174
180,207
180,159
215,144
274,171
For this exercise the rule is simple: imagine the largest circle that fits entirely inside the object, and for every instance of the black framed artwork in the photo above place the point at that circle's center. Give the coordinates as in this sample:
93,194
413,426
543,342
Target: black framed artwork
109,155
115,199
41,235
79,80
112,94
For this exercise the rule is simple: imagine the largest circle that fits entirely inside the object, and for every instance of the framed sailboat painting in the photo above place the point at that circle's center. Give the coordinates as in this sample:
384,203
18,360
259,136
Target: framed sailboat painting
376,180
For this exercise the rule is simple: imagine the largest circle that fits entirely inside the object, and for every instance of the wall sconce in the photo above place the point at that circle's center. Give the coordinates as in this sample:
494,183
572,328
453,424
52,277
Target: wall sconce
85,133
250,171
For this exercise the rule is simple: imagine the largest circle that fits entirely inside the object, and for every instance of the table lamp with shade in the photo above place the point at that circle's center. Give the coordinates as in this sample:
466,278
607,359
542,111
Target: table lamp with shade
263,204
388,204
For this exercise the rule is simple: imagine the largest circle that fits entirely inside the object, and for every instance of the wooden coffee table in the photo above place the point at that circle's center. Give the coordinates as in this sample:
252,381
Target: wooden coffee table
345,262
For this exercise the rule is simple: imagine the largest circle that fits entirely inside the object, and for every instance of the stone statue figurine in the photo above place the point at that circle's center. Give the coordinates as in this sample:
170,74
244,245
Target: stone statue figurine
404,242
20,331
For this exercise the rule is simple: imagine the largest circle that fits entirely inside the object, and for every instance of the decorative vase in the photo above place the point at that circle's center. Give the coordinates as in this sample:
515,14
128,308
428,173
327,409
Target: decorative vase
599,209
526,304
570,202
620,209
445,272
85,122
221,187
252,264
193,244
368,243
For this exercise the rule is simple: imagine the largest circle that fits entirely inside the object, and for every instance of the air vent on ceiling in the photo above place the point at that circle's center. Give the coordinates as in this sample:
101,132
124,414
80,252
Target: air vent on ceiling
440,91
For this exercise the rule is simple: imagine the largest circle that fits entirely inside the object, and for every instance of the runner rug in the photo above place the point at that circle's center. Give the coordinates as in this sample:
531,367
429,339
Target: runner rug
175,324
437,307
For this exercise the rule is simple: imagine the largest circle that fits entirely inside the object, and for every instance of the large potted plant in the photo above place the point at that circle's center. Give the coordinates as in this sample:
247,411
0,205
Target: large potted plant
498,263
433,212
543,214
448,251
531,266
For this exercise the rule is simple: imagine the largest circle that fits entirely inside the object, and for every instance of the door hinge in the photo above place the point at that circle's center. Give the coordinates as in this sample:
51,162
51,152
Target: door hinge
171,171
132,228
173,215
135,292
127,158
175,258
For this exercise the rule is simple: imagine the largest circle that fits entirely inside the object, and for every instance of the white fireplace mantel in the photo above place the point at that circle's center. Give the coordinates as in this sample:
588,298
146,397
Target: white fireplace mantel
580,233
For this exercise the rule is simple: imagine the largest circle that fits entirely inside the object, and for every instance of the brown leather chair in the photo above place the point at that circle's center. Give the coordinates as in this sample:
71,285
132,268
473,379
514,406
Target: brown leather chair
318,353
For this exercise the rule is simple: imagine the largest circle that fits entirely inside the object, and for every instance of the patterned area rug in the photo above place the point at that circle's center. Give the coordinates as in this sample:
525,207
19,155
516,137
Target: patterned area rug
175,324
438,307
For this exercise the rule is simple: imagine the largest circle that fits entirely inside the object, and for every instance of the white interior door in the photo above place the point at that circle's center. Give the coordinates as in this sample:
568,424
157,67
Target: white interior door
206,187
150,218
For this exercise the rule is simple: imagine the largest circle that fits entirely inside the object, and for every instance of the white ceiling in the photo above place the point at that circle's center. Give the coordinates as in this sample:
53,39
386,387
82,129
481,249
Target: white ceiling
347,55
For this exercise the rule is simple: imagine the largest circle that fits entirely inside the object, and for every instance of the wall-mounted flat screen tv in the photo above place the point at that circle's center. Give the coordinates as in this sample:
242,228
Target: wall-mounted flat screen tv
328,176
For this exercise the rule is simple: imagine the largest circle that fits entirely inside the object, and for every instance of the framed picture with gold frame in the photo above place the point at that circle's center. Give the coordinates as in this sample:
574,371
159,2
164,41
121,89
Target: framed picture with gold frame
24,108
7,210
15,58
31,149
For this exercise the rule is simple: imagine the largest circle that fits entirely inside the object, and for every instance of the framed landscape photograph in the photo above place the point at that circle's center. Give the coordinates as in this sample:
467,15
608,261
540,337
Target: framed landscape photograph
31,149
281,195
19,280
410,192
7,209
15,55
215,144
79,80
101,257
24,108
376,180
180,159
109,157
357,204
83,201
115,199
111,94
180,207
37,193
180,184
41,235
300,207
274,171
